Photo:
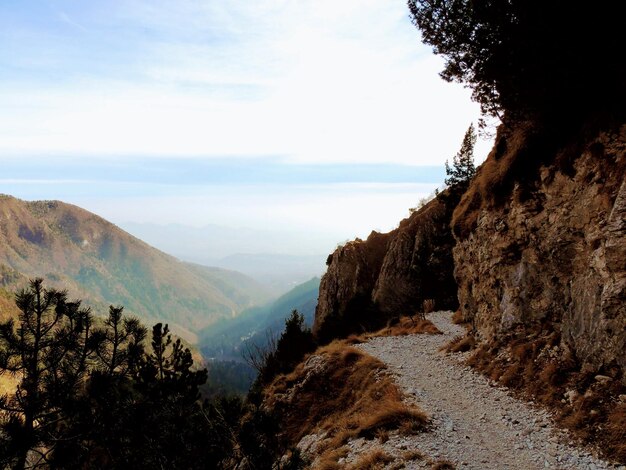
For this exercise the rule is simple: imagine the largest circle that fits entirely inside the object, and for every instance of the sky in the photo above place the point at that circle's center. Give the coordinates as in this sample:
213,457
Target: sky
325,116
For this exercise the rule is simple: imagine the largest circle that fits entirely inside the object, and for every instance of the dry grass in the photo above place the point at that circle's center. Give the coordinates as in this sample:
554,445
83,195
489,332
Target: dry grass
458,318
373,460
355,339
393,415
382,435
616,431
412,455
516,157
350,395
461,343
407,326
330,460
494,178
407,456
401,327
443,465
523,361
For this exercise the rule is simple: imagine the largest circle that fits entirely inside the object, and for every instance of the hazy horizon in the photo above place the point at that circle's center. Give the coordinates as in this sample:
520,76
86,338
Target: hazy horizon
306,209
271,115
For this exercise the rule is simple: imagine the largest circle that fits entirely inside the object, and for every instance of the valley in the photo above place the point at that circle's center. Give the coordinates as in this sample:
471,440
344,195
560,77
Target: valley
220,313
273,258
227,344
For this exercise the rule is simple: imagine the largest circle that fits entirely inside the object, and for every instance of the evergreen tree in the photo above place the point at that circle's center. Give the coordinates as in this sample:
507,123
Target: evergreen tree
173,427
94,398
530,59
295,341
99,418
259,431
120,343
50,350
169,368
462,170
142,417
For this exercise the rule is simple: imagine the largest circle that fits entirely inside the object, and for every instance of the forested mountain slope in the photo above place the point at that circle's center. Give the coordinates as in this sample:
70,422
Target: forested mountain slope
225,338
98,262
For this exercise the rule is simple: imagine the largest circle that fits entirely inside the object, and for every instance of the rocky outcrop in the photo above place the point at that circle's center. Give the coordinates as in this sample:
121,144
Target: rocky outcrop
388,275
418,264
346,288
553,251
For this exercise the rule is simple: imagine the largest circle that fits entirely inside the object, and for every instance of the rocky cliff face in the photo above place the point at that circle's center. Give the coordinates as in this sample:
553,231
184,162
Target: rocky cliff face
388,275
555,253
346,288
418,264
536,252
540,238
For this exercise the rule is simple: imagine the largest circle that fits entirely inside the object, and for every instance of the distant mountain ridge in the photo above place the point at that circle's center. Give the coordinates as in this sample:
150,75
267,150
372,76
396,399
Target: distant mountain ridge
279,272
280,259
102,264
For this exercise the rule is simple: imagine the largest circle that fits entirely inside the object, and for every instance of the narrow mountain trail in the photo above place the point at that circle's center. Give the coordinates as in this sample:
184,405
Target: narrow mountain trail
476,425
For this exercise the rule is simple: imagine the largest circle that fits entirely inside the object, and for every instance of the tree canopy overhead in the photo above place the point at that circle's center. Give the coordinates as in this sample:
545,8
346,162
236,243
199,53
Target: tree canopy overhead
530,59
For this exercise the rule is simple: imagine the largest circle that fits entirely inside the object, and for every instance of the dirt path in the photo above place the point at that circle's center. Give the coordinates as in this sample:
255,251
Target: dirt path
476,425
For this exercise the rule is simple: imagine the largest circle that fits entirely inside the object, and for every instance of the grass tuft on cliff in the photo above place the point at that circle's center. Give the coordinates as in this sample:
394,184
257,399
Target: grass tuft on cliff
407,326
375,459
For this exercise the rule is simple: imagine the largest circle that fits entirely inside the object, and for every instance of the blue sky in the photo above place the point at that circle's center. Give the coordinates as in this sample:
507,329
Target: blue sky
134,108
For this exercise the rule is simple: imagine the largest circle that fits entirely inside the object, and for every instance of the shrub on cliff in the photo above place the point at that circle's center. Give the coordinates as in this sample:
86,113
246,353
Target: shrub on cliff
283,355
295,342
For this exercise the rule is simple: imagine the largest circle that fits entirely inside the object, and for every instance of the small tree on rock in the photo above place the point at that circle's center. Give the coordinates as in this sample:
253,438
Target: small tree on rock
462,169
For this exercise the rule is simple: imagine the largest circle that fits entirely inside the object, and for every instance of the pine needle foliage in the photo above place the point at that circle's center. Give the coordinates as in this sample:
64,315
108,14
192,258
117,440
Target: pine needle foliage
462,169
530,59
96,397
49,350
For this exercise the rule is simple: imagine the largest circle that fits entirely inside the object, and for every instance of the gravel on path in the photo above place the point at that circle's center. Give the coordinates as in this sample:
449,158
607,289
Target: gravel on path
476,424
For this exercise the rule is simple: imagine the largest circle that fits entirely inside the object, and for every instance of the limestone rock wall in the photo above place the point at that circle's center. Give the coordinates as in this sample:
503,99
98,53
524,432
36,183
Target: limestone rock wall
389,275
556,253
418,264
349,280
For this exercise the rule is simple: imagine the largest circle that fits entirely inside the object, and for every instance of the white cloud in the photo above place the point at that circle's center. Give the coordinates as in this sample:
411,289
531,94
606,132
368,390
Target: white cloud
66,19
323,81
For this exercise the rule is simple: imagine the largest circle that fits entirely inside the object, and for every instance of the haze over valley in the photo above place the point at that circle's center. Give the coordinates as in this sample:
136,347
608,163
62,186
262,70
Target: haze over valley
279,260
